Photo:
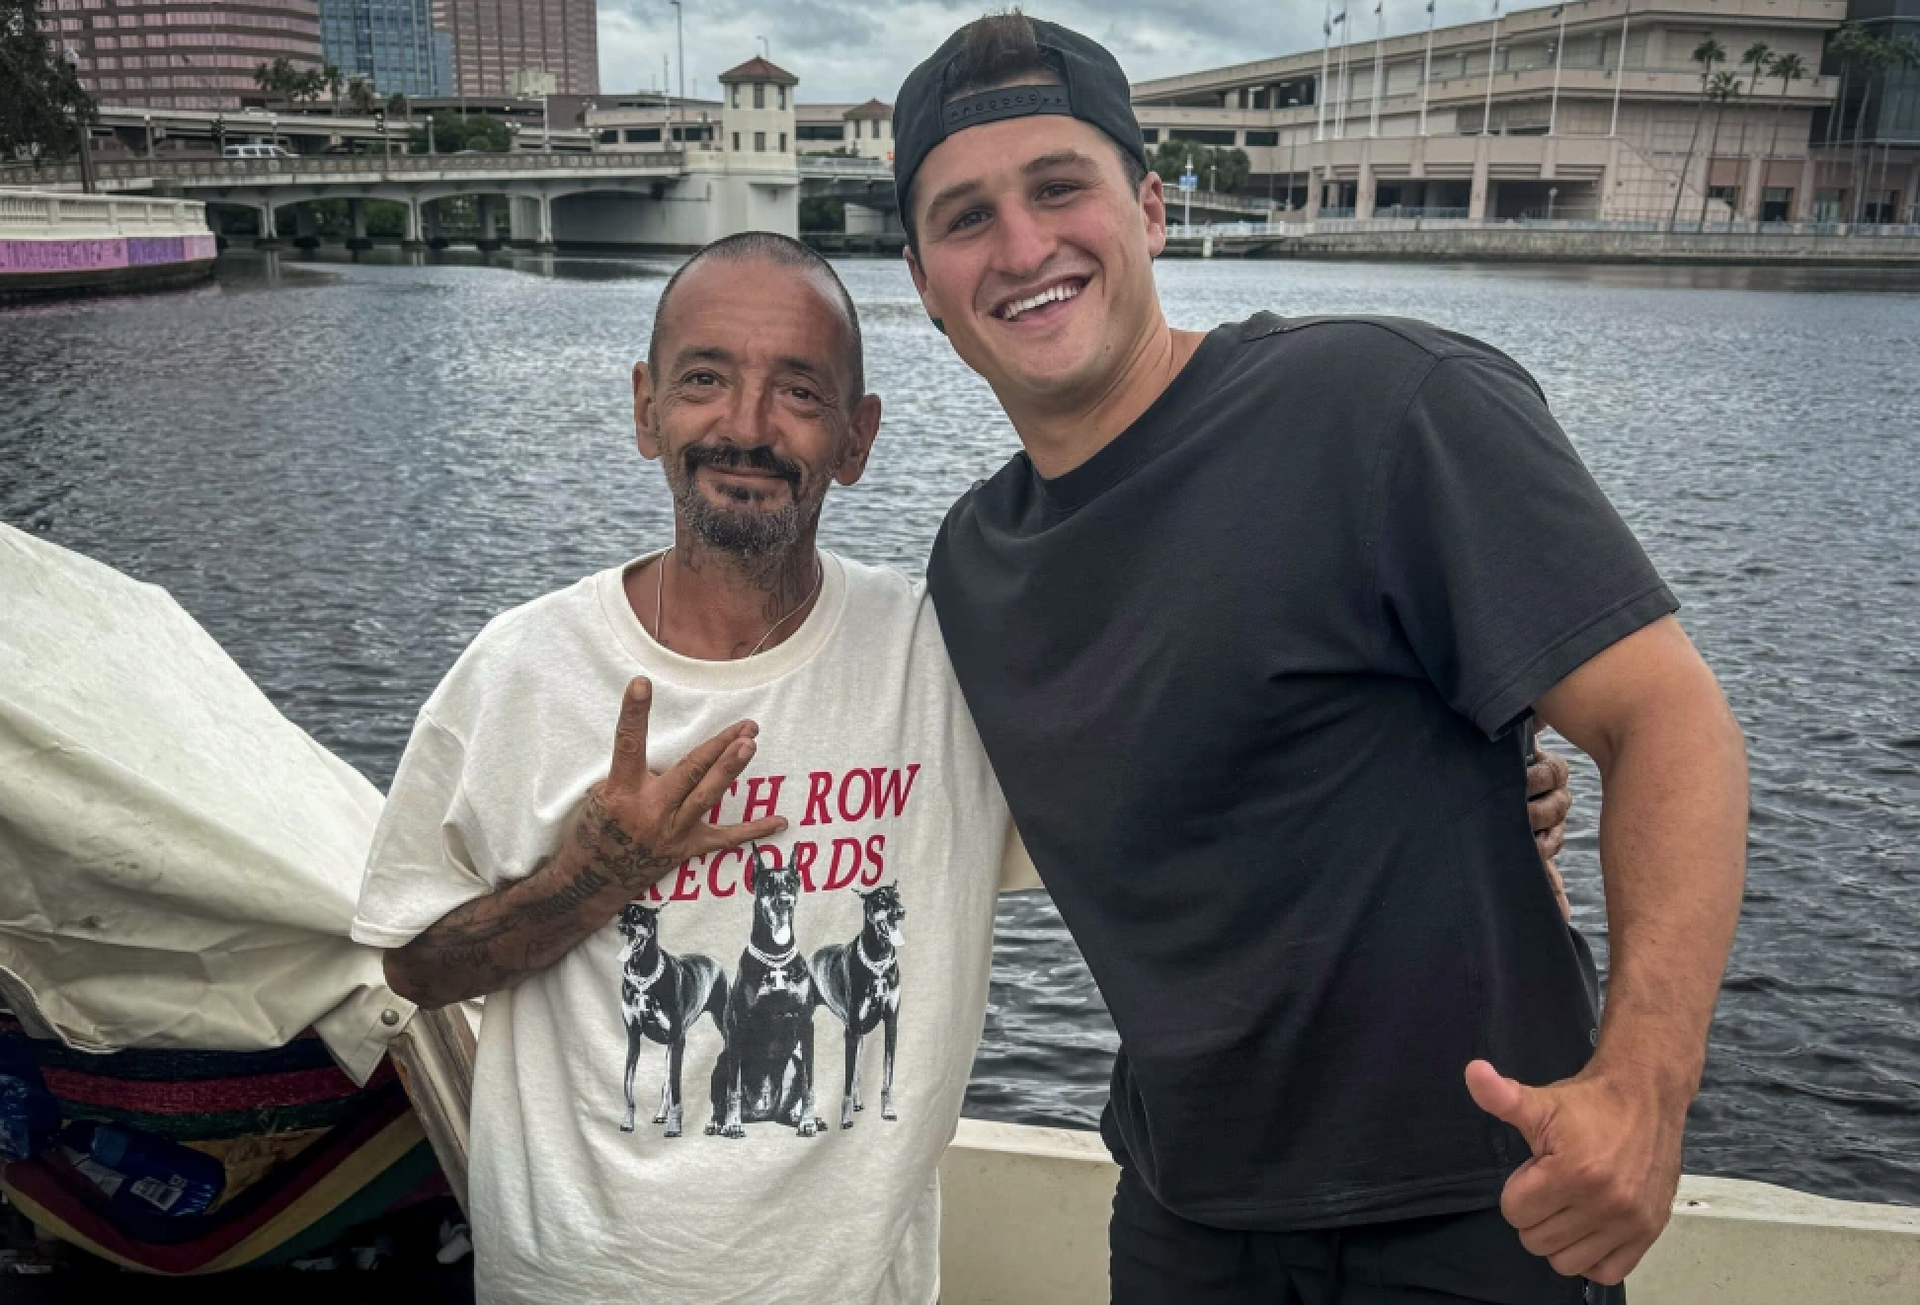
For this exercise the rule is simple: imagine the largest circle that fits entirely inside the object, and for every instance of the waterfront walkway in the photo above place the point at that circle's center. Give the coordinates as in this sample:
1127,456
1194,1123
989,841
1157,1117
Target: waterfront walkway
1539,240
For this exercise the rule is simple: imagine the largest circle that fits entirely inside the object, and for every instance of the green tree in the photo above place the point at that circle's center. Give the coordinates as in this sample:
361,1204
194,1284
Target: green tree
1722,90
361,101
1706,54
1228,168
449,132
1789,68
44,114
397,106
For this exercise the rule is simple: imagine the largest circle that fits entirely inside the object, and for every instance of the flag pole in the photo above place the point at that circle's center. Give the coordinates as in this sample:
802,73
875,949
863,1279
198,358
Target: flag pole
1340,109
1493,44
1559,53
1379,66
1620,69
1320,91
1426,76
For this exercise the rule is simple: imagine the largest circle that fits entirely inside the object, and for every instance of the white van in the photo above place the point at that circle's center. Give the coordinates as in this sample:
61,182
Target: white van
255,152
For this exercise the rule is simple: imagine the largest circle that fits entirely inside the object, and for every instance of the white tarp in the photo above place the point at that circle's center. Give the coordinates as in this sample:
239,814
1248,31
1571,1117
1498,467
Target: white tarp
178,861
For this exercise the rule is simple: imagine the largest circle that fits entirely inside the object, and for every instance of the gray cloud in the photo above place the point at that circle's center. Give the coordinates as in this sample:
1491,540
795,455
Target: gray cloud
850,50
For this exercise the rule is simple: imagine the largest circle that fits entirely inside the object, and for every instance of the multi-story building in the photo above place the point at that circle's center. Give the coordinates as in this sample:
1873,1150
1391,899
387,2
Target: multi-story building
862,129
389,44
1590,109
757,109
183,56
495,42
1876,123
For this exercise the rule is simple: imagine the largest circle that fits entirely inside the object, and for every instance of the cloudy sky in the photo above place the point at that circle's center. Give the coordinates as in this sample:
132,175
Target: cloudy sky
850,50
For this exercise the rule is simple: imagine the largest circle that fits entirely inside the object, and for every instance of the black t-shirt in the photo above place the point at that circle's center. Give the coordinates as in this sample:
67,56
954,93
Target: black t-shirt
1248,677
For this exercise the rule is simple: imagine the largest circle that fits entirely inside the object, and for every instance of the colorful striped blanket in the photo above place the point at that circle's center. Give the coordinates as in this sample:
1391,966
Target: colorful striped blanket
307,1154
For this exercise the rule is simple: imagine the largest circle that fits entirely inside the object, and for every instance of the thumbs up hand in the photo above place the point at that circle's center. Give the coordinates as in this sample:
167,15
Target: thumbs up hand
1606,1163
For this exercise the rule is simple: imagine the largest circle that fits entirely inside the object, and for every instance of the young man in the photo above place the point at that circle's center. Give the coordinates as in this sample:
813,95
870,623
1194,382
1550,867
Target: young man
1246,630
808,1047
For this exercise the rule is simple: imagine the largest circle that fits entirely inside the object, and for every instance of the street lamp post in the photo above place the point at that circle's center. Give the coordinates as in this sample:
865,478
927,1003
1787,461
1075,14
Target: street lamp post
680,40
83,130
1553,193
146,121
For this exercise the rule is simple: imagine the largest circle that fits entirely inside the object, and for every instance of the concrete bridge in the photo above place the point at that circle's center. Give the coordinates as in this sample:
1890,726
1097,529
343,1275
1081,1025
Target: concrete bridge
668,200
662,200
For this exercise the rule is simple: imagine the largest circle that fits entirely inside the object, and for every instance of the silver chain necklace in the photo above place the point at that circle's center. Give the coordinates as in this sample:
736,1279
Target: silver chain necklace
660,591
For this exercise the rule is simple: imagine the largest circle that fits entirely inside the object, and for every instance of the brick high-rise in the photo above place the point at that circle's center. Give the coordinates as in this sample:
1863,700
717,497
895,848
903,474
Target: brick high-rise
166,54
495,40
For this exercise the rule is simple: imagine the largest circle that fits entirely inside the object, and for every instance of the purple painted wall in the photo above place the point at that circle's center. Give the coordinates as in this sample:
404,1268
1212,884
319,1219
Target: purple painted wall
102,255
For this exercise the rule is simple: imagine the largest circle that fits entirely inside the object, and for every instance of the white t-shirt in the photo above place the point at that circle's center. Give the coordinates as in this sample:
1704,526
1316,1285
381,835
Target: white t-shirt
866,747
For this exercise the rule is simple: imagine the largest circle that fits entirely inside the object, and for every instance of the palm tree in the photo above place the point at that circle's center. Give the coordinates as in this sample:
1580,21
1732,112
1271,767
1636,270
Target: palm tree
1903,55
1721,90
1789,68
1706,54
1863,57
360,98
1759,58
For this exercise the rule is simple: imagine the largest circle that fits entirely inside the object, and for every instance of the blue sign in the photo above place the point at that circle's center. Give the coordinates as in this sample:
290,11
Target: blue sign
1188,181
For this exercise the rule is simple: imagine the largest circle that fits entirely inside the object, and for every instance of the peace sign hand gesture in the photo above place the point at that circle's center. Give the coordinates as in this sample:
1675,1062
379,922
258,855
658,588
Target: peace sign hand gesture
637,825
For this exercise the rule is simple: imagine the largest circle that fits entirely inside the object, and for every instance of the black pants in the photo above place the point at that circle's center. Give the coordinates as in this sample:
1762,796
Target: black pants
1158,1258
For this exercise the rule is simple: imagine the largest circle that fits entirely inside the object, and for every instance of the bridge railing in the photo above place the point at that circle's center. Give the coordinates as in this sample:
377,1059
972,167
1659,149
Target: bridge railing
46,215
833,165
1337,225
307,166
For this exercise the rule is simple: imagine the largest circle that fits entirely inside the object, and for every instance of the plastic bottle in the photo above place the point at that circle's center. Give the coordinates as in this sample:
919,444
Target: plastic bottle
141,1172
29,1115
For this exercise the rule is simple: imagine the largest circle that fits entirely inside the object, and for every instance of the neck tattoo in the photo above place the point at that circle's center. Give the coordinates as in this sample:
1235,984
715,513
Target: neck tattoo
660,592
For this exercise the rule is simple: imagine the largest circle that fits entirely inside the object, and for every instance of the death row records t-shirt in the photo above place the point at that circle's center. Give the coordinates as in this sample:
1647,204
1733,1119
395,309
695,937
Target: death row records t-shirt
1248,677
878,901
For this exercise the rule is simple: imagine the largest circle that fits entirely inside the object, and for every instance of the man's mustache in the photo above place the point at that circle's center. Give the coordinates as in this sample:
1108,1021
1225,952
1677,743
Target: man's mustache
731,457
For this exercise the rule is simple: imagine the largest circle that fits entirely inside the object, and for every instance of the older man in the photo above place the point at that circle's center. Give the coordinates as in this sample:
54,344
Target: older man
1247,628
690,923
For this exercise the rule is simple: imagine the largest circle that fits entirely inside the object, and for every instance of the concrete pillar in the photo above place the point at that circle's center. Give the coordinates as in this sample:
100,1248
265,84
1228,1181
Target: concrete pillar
357,225
410,224
489,228
1911,210
1803,193
1314,183
1364,192
429,222
268,236
544,239
1754,191
1482,183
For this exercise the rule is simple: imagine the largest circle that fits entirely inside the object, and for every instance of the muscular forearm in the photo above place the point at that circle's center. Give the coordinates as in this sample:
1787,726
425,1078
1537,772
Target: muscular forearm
1673,842
494,942
1673,825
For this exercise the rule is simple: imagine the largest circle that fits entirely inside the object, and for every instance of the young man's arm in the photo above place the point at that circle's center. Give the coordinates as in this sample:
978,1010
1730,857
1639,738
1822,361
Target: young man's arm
635,828
1673,823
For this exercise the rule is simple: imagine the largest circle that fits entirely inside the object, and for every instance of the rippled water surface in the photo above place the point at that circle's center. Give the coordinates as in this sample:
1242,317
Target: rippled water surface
344,469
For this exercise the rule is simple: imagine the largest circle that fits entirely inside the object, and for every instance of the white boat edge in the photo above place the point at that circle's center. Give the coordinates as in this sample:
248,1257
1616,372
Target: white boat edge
1024,1222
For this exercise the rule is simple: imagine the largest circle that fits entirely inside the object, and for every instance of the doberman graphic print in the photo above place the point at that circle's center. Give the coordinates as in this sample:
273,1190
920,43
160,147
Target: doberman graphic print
765,1071
671,1111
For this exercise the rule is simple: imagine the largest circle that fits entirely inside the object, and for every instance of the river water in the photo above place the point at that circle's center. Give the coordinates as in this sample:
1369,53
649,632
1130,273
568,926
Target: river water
344,468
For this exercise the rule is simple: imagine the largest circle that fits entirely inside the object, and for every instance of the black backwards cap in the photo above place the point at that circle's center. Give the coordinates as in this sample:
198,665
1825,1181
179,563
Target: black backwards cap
1093,89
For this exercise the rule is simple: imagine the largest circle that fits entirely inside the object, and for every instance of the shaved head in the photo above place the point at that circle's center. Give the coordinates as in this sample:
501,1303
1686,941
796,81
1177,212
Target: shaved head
781,251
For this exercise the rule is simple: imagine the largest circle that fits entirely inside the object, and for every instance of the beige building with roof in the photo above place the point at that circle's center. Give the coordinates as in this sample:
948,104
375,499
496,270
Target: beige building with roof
865,130
1585,110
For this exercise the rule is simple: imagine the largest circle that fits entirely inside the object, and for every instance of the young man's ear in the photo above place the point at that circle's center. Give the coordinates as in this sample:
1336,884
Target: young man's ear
861,432
1153,209
929,305
644,427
